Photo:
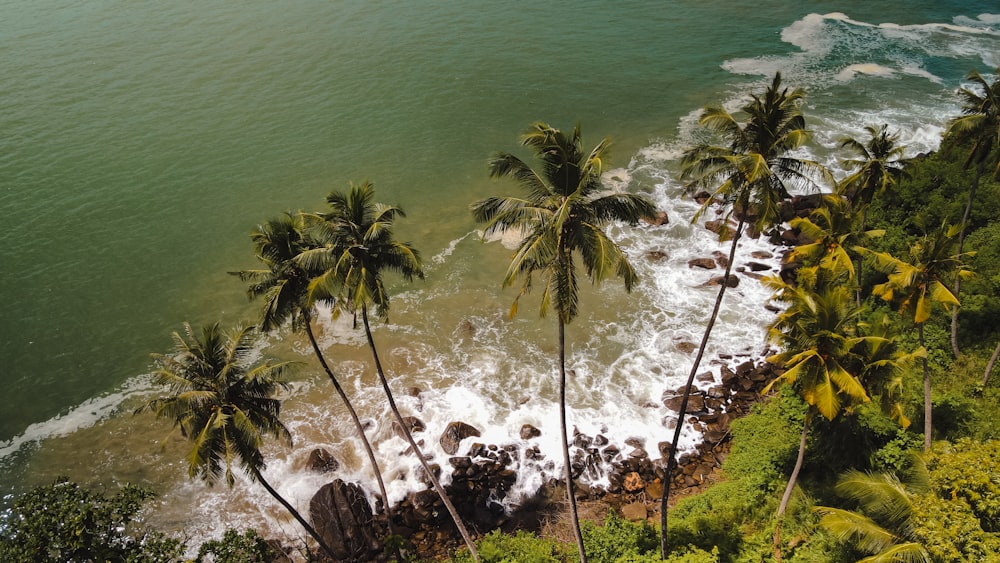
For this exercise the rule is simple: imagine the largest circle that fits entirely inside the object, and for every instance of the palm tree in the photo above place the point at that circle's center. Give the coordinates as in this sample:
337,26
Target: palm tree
979,129
817,333
283,286
355,247
883,525
748,173
878,168
885,367
562,217
223,400
835,235
920,282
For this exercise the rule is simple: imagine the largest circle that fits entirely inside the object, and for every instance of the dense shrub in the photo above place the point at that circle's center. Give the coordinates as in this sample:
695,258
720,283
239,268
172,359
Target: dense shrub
234,547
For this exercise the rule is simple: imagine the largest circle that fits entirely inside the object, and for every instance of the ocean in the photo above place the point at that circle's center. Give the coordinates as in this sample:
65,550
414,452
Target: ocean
141,142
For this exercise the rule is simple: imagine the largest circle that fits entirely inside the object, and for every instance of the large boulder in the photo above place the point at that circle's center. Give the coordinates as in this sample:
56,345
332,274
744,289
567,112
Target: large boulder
343,518
704,263
454,434
322,461
413,424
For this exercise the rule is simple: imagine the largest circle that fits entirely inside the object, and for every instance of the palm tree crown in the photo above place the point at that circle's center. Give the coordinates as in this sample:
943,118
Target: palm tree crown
355,245
979,125
562,214
750,169
878,165
222,399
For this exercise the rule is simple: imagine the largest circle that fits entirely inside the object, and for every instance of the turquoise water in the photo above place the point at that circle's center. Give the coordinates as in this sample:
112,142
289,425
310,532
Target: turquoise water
140,143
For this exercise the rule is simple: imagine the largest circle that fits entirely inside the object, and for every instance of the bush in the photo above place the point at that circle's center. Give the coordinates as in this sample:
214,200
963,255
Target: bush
968,471
237,548
497,547
64,522
619,538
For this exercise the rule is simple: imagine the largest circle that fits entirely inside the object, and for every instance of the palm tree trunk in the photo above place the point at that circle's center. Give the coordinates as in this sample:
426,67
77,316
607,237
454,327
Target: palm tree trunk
961,244
671,457
791,485
927,393
291,510
413,444
989,366
570,494
859,262
357,425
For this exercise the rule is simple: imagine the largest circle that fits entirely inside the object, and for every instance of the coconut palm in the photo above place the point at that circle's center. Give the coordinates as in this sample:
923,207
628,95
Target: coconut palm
749,173
283,287
885,367
835,234
562,216
883,523
979,130
878,167
817,333
223,400
915,285
355,248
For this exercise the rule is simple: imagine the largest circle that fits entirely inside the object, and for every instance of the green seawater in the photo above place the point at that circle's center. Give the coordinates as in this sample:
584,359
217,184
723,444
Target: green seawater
140,142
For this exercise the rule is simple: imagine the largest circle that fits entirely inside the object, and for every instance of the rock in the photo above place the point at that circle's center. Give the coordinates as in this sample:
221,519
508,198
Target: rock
717,228
659,219
685,347
705,377
600,440
454,434
322,461
720,258
696,402
467,329
635,511
654,490
705,263
731,281
702,196
413,424
343,518
633,482
528,432
635,442
664,449
762,254
758,266
657,255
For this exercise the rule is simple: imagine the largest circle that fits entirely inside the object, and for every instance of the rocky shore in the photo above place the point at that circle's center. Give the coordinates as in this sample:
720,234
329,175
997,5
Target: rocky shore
631,477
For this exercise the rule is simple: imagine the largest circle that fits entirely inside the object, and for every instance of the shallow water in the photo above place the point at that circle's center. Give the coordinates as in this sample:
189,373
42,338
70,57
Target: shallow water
142,142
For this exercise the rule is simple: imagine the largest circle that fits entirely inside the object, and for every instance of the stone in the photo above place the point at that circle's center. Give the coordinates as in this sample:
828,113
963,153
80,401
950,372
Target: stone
635,442
702,196
413,424
322,461
731,281
342,516
654,489
528,432
758,266
762,254
696,402
633,482
635,511
704,263
720,258
657,220
686,347
705,377
454,434
657,255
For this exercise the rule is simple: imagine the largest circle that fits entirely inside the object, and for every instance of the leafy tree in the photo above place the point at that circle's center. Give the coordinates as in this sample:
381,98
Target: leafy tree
748,174
562,215
878,168
223,400
916,284
64,522
356,246
885,519
235,547
284,287
817,333
978,129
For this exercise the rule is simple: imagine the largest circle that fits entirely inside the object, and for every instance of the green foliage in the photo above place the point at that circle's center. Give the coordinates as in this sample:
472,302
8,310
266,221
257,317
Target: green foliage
618,538
897,454
234,547
765,444
497,547
951,532
979,488
714,518
64,522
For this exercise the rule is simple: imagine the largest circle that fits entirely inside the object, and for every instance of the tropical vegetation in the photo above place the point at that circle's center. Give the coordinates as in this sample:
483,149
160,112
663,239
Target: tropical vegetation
875,440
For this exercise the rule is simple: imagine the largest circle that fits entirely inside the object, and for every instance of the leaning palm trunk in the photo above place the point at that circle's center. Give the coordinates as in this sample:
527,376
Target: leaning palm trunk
570,494
357,425
791,485
671,457
291,510
992,362
413,444
961,243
